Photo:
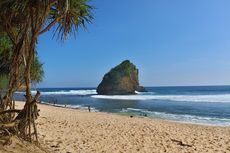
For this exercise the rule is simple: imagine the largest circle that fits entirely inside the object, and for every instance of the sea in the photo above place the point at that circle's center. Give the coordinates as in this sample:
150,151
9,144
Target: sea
209,105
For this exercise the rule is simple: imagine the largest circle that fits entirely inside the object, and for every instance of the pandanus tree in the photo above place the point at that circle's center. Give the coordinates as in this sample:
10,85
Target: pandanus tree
6,51
24,21
37,72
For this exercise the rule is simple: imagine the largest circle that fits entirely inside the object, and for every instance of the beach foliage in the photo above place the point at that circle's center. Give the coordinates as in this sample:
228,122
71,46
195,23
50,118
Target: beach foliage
3,82
37,72
24,21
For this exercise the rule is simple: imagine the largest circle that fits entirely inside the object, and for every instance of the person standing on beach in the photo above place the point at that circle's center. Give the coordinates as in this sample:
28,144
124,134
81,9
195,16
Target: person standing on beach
89,108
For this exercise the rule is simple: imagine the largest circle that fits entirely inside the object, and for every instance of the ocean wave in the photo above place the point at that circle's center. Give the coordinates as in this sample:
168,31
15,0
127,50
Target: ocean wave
180,117
224,98
145,93
66,92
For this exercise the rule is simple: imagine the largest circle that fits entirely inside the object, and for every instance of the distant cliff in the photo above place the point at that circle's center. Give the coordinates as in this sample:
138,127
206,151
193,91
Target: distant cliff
121,80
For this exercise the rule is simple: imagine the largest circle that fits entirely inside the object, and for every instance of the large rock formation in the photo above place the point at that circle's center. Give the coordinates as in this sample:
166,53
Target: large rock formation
121,80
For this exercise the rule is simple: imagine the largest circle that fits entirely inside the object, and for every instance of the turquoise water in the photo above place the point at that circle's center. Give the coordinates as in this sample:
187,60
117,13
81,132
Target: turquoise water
200,104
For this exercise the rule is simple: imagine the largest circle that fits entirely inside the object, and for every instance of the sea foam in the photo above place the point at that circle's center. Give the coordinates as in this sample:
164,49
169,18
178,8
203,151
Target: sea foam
180,117
67,92
224,98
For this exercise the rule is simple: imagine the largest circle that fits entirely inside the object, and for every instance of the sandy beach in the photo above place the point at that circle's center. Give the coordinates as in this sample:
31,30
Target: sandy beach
63,130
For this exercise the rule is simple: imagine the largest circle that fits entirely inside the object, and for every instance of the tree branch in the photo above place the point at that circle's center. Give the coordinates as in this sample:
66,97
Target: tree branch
50,25
11,111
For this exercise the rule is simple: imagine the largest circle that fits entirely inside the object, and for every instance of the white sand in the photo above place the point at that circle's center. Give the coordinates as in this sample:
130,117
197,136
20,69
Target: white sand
65,130
19,146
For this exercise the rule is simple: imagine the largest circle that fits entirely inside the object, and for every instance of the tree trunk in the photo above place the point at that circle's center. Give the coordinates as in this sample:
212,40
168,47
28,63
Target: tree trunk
14,73
14,77
27,75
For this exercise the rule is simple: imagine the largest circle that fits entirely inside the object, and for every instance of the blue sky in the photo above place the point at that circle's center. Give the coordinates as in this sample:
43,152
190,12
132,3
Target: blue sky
172,42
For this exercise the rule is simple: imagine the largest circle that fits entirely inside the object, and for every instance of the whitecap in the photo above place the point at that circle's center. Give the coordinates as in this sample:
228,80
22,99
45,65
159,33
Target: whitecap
180,117
67,92
225,98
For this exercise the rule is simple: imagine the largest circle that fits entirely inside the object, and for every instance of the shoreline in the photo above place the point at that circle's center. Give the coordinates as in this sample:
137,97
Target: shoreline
137,116
71,130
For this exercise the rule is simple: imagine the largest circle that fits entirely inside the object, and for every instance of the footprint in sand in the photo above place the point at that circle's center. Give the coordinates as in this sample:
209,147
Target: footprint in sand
54,146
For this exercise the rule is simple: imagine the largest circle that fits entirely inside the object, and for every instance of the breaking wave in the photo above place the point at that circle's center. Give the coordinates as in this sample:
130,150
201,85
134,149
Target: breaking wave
224,98
180,117
67,92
